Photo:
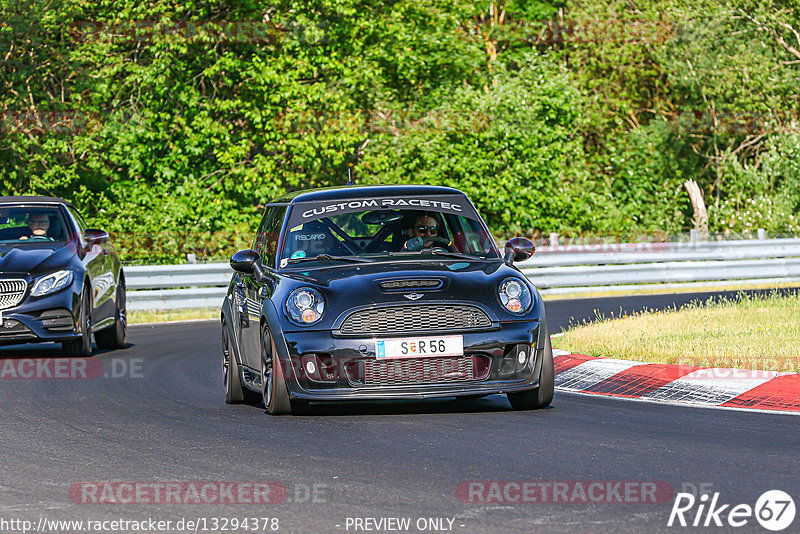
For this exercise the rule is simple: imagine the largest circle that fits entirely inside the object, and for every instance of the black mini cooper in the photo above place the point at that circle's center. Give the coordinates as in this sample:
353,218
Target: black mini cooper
381,292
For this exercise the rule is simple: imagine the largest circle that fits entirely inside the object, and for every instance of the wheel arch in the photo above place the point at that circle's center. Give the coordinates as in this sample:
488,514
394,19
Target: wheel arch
226,321
83,283
271,321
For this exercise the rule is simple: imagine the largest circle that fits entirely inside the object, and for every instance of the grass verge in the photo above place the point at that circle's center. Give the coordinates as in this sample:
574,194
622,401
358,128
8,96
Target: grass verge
164,316
671,288
746,332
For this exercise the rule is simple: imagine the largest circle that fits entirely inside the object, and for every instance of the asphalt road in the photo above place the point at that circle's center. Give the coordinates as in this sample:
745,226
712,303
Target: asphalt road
165,420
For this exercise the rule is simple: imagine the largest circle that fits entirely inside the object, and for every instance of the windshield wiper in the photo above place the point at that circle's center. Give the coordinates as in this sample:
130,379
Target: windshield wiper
350,259
435,252
458,255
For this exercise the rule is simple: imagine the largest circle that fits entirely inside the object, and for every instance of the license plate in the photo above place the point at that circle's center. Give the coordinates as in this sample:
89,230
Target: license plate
419,347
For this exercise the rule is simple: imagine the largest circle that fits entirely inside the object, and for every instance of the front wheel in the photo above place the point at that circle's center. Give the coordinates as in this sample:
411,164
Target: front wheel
83,345
235,393
273,380
115,337
542,396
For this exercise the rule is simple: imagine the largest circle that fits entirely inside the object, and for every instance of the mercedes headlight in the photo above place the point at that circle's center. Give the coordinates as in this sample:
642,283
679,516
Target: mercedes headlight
51,283
515,296
305,306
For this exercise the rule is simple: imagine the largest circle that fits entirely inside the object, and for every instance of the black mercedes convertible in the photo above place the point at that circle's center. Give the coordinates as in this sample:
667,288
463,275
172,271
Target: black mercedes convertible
381,292
59,280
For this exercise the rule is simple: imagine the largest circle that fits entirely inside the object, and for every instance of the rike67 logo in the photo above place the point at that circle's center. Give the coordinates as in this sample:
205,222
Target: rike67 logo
774,510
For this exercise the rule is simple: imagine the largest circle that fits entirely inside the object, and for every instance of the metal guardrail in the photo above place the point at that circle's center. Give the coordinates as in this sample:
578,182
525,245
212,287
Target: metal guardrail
553,269
164,287
582,268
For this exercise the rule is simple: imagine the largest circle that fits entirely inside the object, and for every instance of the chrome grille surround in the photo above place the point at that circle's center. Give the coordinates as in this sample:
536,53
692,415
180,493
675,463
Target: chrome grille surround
12,290
415,318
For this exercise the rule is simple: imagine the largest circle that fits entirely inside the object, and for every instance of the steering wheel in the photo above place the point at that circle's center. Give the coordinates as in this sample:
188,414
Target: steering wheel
41,237
437,239
436,242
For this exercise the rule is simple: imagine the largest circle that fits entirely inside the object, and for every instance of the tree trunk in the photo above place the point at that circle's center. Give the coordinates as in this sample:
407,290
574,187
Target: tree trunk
700,220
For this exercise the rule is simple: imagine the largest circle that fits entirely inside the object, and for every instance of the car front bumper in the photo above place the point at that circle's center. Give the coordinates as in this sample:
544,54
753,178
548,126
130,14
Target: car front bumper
44,319
347,367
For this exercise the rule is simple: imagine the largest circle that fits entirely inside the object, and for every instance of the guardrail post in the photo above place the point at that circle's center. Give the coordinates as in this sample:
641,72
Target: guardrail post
762,234
554,239
694,236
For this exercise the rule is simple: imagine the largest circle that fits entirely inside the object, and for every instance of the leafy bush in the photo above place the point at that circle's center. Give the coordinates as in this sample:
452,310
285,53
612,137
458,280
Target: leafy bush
511,147
171,124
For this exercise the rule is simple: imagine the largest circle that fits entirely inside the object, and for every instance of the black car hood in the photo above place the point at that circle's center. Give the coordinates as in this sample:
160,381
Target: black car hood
445,268
353,285
35,258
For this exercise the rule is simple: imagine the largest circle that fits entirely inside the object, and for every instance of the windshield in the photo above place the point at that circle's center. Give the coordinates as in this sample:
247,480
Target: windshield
380,233
31,224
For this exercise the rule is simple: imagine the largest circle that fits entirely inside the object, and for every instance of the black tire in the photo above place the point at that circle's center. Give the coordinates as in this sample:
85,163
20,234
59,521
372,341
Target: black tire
273,381
234,393
116,336
83,345
542,396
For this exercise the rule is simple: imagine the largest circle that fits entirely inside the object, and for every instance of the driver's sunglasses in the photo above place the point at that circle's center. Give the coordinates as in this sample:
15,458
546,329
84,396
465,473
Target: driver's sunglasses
426,229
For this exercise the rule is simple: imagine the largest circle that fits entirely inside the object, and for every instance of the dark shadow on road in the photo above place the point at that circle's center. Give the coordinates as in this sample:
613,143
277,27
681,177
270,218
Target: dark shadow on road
492,403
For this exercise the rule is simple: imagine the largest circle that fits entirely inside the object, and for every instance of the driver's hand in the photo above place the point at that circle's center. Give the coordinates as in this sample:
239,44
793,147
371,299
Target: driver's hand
23,237
415,243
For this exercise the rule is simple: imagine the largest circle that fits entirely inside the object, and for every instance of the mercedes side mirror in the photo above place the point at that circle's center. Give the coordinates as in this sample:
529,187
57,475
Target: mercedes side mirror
246,262
518,249
93,236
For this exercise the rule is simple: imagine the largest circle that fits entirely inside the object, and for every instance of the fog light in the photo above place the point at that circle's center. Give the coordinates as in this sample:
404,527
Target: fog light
311,368
521,356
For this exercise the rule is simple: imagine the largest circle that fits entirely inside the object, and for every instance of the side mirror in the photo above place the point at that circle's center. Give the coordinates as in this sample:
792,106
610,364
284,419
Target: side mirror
518,249
244,262
92,236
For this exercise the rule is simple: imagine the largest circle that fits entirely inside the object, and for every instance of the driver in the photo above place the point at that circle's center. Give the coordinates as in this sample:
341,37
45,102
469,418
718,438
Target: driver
39,224
422,233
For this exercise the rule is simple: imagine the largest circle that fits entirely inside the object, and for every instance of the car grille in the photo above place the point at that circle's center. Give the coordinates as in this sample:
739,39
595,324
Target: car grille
14,329
418,318
414,283
11,292
57,320
417,371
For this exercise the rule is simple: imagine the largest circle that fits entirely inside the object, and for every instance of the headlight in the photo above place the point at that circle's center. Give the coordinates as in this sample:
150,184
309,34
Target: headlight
515,295
51,283
305,306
